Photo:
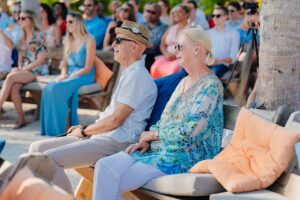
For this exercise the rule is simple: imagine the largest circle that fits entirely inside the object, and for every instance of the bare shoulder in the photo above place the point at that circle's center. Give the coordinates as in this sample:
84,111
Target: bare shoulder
91,40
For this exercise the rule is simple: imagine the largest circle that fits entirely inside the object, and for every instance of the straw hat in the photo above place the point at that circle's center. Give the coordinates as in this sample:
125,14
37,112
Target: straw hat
135,31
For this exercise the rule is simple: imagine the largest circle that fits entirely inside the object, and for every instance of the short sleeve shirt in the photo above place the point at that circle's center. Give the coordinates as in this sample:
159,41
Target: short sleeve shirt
137,90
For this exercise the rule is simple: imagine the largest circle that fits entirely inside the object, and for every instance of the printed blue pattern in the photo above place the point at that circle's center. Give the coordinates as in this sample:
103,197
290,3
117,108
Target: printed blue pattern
190,128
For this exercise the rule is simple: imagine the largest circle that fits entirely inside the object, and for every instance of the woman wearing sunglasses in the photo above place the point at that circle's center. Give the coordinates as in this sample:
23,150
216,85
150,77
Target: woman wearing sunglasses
167,64
32,57
77,70
190,128
126,12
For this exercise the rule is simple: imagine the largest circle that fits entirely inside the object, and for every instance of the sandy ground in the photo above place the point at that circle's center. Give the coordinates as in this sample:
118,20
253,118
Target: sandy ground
18,141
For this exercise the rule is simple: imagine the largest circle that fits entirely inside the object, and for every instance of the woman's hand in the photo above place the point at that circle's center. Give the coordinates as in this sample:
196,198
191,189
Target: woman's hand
61,77
148,136
143,146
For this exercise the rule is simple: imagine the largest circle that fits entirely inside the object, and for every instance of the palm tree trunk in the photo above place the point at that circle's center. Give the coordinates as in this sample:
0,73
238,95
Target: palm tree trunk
279,63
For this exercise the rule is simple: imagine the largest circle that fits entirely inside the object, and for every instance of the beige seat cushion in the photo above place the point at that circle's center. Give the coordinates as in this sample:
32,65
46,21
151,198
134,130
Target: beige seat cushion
40,84
185,185
255,157
256,195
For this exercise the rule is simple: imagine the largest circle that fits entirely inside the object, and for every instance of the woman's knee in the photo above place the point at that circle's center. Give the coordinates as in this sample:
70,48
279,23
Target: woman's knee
11,77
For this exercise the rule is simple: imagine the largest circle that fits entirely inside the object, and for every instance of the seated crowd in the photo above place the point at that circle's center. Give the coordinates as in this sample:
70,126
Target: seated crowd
186,118
55,31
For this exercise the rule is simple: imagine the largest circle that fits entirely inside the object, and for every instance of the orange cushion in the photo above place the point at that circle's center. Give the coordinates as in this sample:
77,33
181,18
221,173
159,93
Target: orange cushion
103,73
24,186
257,154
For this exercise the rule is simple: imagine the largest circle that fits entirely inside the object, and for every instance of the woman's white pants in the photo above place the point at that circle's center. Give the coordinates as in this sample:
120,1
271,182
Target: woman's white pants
120,173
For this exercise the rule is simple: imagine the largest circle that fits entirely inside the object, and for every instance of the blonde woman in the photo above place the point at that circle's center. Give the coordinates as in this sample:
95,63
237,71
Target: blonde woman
190,128
32,57
77,70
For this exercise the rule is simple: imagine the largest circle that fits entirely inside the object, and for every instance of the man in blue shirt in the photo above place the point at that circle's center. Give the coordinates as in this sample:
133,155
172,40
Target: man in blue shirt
152,12
94,25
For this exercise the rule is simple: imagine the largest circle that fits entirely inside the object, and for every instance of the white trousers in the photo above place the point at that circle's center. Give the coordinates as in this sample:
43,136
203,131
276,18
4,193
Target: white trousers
120,173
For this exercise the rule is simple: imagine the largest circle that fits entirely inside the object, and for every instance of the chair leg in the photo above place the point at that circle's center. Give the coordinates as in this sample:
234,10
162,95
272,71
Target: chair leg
84,190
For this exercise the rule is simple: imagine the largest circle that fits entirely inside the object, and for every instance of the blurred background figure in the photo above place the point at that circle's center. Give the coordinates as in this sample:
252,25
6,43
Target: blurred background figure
33,5
138,15
49,27
94,25
165,11
167,64
126,12
16,30
100,13
152,12
4,20
6,47
32,63
234,20
225,43
60,13
113,6
197,17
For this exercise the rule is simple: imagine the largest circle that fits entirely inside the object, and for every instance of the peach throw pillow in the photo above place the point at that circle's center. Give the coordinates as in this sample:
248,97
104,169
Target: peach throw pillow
257,154
103,73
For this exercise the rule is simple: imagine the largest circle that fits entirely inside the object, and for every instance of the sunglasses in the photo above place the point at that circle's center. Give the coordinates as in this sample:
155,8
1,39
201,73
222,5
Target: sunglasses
216,16
70,22
23,18
124,9
87,5
118,40
178,47
151,12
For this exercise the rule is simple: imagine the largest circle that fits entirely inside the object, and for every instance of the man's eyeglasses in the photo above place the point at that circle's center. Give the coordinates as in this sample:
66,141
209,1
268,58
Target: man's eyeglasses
118,40
178,47
151,12
87,5
216,16
124,9
23,18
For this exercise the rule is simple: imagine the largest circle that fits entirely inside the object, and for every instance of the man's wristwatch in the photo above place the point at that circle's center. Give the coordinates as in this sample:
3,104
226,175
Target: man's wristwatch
82,128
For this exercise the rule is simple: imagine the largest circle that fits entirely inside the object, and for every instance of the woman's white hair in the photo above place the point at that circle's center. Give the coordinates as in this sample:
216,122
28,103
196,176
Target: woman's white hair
198,35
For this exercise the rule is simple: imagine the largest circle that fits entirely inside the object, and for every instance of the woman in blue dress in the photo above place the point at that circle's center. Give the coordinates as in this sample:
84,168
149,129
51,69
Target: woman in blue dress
77,70
190,128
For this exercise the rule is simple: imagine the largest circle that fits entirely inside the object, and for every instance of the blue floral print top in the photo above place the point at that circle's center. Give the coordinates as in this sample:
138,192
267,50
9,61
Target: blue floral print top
190,128
31,51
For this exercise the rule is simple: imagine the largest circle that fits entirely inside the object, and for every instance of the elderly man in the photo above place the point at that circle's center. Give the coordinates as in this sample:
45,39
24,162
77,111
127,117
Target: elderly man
152,12
94,25
122,121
